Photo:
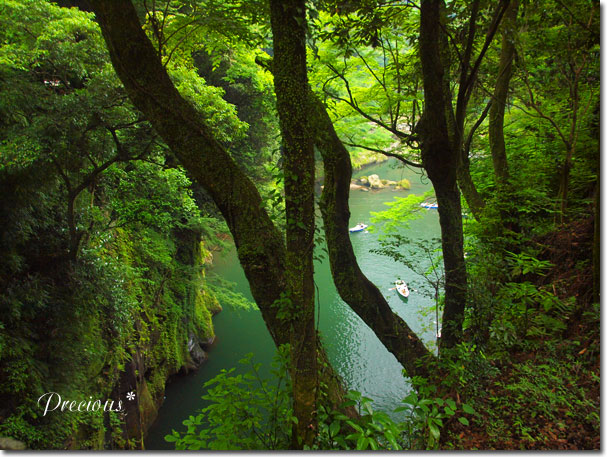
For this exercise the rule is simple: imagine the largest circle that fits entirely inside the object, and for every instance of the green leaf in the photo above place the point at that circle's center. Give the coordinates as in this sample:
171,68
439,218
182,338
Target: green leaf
390,437
334,428
362,443
373,444
467,408
463,420
434,431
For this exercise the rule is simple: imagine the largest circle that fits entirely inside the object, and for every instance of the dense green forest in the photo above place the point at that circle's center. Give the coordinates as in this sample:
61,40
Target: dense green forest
139,139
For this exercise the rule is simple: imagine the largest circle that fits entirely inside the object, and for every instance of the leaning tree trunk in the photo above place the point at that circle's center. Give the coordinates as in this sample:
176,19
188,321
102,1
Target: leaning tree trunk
353,286
259,244
440,161
291,84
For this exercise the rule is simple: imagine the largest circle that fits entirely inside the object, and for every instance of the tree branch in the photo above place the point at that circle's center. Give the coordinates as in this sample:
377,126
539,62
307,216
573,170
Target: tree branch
476,125
386,153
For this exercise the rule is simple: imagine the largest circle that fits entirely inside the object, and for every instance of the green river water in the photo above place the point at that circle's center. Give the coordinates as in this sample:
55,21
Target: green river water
353,349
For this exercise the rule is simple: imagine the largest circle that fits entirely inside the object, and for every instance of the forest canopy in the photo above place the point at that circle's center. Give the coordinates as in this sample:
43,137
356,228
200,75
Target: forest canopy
138,138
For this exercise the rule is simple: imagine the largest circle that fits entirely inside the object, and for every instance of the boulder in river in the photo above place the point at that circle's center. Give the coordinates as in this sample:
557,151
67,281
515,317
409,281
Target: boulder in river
404,184
363,181
375,182
197,355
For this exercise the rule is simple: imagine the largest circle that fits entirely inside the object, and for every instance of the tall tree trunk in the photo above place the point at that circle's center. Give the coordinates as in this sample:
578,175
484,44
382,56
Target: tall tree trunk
455,120
440,160
288,20
259,244
500,95
467,78
353,286
596,243
497,143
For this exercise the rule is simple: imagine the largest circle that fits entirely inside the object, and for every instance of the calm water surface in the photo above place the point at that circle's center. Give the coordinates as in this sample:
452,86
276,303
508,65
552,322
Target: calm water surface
355,352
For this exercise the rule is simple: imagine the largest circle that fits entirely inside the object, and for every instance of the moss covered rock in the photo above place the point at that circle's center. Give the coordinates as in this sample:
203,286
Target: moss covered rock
404,184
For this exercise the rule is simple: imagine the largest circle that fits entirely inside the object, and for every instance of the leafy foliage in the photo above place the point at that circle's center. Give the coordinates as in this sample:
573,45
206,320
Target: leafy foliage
246,411
102,257
105,238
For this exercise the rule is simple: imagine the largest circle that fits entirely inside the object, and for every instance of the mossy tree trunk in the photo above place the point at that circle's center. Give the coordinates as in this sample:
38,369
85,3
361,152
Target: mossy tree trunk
288,19
260,246
353,286
497,143
500,95
466,184
440,159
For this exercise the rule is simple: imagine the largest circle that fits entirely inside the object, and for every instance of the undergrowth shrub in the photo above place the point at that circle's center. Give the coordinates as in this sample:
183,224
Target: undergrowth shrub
248,412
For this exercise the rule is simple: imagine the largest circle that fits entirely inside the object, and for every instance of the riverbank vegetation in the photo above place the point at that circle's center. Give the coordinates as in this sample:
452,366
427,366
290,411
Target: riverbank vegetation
136,135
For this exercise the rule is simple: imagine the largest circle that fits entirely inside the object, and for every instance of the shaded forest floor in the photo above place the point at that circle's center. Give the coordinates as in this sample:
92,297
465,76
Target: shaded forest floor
547,394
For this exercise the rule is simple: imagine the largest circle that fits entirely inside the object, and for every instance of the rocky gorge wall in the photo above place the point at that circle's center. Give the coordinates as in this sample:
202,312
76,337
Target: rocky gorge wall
88,372
176,345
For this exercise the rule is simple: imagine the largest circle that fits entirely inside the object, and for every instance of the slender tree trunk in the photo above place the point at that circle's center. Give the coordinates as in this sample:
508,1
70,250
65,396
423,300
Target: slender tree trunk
440,160
468,76
468,188
288,20
500,95
353,286
455,120
72,229
497,143
563,194
596,243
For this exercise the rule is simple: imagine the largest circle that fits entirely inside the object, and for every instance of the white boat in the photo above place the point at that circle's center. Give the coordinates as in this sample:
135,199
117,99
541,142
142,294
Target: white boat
358,227
428,205
401,288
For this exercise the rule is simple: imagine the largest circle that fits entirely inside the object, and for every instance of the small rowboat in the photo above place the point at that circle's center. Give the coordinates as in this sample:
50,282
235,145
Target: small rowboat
358,227
401,288
429,205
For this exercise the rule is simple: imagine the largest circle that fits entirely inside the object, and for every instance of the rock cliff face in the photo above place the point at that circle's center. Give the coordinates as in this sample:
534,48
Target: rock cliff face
151,365
157,323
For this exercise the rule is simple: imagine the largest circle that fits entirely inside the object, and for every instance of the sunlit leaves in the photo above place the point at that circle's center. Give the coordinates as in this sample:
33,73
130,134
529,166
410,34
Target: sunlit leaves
217,113
368,71
401,211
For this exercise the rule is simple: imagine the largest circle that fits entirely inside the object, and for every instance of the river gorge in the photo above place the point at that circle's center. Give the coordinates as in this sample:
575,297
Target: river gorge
353,349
